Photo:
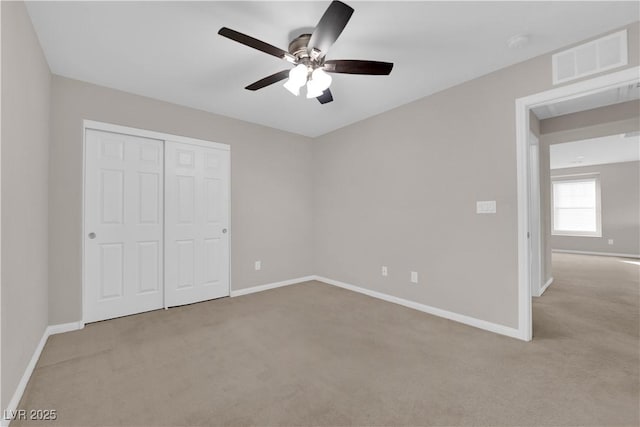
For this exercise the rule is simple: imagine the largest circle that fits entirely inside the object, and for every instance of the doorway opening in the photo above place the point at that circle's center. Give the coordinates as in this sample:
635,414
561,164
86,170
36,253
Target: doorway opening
533,247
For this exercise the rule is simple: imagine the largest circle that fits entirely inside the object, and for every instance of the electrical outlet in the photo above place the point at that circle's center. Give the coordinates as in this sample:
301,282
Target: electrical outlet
257,265
611,241
414,277
385,272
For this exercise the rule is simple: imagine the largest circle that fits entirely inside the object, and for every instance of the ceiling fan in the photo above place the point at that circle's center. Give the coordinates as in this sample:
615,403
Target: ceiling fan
307,52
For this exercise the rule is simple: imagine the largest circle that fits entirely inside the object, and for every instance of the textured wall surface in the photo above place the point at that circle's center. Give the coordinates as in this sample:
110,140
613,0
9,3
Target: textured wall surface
25,151
400,190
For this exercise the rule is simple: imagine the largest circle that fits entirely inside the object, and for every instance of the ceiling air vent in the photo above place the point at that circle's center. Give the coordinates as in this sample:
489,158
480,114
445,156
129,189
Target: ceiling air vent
590,58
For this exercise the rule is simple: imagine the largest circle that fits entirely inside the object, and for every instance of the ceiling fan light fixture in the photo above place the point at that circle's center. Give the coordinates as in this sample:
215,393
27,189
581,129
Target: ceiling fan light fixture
295,90
297,79
312,90
308,52
321,78
319,82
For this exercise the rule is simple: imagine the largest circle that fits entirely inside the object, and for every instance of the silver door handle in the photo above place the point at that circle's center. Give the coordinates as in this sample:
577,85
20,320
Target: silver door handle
224,230
92,236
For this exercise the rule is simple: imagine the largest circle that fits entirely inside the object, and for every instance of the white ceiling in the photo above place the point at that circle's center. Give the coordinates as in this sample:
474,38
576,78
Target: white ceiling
171,51
595,151
601,99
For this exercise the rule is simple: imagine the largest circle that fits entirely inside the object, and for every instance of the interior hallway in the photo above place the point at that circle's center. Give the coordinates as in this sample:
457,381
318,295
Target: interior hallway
313,354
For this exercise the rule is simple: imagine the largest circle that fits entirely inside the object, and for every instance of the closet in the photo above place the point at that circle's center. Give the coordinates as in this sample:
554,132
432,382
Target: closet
156,221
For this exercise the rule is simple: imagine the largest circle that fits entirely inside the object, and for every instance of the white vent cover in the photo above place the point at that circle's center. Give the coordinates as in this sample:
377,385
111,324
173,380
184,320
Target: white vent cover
590,58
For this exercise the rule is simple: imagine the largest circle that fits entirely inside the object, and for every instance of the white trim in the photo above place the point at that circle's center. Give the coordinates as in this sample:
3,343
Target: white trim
456,317
523,127
581,88
1,422
523,106
229,226
575,176
28,371
108,127
164,226
17,395
535,220
260,288
83,294
64,327
569,251
544,288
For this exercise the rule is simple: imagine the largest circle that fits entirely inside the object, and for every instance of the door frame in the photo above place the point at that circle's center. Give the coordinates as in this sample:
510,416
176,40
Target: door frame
523,106
113,128
535,225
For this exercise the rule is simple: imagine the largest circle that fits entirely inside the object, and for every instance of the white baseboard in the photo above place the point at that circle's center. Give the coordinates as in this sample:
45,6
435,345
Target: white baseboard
64,327
456,317
22,385
546,285
268,286
541,290
17,395
568,251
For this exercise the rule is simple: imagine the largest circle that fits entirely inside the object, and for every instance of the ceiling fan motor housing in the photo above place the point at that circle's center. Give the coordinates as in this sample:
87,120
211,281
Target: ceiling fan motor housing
300,50
298,46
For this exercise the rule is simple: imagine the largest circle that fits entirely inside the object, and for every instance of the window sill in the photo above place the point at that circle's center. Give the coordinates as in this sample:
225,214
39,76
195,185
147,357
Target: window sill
576,235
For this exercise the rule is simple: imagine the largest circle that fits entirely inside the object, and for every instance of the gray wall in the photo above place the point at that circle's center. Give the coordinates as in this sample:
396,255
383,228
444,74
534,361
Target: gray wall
620,208
25,150
629,110
271,187
399,189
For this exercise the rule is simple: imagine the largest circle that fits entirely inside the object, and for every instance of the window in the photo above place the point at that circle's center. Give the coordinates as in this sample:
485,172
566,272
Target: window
576,206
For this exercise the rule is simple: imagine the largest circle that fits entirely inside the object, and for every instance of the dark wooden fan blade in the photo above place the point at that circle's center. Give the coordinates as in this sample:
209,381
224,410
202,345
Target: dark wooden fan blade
330,27
252,42
354,66
325,97
269,80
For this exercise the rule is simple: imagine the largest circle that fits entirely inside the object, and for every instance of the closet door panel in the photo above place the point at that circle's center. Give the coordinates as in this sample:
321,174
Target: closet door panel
123,211
196,223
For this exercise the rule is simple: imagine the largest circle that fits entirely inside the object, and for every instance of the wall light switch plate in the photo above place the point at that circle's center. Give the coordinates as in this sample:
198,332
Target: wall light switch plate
384,271
414,277
486,207
611,241
257,265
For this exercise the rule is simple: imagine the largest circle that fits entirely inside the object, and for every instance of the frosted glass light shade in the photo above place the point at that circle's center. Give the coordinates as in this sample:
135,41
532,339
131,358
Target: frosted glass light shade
319,82
297,79
312,90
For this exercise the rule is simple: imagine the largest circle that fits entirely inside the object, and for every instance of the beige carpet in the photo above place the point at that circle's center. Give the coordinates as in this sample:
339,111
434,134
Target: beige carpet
313,354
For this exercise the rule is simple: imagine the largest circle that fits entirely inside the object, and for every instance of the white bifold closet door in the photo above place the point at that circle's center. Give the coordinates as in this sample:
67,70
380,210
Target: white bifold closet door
156,221
196,223
123,249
